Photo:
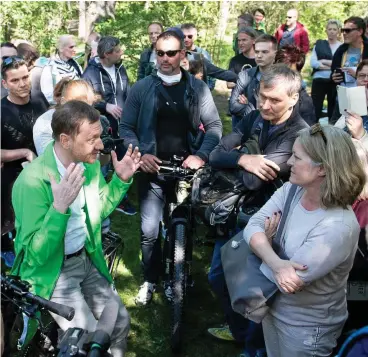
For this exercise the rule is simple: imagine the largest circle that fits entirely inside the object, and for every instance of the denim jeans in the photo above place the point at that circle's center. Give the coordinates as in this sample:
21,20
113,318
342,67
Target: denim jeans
153,194
242,329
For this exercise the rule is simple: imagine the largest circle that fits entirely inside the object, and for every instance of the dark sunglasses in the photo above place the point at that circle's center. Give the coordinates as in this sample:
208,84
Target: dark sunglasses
289,17
8,61
172,53
189,36
317,128
349,30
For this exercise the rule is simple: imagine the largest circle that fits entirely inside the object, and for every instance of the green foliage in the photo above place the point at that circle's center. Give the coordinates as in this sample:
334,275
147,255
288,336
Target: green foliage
37,22
42,21
313,15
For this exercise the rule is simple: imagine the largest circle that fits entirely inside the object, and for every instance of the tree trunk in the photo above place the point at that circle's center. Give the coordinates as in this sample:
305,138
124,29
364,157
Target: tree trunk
221,27
91,12
82,20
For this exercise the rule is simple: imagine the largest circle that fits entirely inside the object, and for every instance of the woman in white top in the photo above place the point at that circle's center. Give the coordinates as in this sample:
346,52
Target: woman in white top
321,60
320,238
61,66
64,91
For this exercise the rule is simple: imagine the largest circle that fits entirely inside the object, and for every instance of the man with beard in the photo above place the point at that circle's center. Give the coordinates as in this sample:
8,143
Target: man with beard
164,115
59,201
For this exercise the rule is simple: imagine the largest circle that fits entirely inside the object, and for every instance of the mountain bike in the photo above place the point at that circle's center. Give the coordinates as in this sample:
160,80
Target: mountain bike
178,246
28,326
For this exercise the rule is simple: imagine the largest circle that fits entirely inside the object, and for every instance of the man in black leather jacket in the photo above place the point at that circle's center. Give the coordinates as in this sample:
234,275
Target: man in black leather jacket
164,114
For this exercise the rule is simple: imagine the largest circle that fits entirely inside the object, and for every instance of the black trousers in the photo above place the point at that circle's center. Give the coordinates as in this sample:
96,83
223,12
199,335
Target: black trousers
320,88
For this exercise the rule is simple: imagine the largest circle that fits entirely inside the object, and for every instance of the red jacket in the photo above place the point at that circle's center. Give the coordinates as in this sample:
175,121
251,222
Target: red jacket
300,36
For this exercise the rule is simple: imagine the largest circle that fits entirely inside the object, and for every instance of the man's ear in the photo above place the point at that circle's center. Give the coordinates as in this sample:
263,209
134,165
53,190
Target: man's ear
3,82
64,140
293,99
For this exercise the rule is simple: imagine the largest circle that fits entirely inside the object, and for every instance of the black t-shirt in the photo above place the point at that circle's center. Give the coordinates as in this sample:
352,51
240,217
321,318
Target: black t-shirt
172,125
17,123
237,62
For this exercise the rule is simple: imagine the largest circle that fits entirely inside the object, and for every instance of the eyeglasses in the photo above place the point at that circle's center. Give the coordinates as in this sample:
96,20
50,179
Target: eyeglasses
8,61
362,76
189,36
349,30
289,17
317,128
171,53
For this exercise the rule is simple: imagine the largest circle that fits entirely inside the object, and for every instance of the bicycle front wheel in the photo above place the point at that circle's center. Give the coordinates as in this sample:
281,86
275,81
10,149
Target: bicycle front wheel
179,285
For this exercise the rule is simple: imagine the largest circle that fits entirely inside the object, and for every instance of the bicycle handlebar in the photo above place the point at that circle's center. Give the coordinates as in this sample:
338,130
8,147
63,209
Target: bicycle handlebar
20,290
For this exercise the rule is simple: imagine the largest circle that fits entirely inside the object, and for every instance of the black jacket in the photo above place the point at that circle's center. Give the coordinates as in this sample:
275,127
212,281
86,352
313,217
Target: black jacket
305,107
138,125
246,84
102,84
145,68
339,54
277,148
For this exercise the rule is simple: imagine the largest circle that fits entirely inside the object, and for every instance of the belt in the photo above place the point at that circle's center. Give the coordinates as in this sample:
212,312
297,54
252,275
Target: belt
76,254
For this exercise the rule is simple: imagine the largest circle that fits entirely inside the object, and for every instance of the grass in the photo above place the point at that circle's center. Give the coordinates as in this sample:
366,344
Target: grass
150,326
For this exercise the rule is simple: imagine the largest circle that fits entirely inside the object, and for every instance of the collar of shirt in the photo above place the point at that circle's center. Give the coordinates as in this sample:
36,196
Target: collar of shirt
61,168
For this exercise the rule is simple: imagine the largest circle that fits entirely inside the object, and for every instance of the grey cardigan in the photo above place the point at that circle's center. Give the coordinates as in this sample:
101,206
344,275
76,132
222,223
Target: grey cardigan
327,247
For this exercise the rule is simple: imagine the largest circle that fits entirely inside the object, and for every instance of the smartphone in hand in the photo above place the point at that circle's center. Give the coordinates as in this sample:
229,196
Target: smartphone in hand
341,72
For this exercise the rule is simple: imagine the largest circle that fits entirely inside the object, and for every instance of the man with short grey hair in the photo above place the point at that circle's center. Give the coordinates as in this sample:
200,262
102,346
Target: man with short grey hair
258,149
108,77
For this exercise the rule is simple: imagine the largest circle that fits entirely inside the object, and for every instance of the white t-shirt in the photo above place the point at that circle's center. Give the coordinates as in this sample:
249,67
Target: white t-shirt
76,229
112,73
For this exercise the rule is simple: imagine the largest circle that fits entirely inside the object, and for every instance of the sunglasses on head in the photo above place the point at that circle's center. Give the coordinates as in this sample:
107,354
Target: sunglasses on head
349,30
171,53
8,61
317,128
189,36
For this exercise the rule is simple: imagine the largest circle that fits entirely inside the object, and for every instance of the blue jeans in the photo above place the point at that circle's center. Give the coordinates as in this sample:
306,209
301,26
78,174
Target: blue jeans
242,329
153,195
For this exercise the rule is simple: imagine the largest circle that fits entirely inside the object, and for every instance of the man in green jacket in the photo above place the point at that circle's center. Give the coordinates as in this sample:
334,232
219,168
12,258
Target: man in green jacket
59,201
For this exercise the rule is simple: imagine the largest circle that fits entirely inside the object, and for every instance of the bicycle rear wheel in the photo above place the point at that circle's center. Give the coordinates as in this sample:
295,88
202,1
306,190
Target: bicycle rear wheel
179,285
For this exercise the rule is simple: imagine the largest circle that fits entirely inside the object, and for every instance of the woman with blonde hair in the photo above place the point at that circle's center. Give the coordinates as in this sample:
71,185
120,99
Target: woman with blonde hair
62,65
64,91
320,240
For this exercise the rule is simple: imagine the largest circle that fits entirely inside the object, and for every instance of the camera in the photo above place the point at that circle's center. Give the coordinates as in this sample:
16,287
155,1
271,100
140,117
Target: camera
106,136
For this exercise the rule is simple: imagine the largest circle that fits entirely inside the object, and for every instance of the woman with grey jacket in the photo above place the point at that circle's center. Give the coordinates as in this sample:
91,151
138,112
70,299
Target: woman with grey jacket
320,238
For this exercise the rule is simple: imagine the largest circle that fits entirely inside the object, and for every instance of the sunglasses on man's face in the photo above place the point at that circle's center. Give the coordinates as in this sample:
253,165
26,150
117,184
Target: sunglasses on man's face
171,53
289,17
189,36
349,30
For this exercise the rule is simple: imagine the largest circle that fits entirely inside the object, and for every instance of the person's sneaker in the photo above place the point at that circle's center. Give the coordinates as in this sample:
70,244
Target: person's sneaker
168,291
221,333
145,293
126,207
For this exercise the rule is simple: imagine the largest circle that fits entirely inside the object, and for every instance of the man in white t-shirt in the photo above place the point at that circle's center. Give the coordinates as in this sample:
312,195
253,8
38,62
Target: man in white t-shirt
109,79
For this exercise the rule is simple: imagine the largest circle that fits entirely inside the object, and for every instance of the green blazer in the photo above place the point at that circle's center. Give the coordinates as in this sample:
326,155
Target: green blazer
39,242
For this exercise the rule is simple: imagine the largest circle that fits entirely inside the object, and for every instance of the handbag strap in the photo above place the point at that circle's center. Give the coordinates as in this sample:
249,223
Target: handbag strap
289,198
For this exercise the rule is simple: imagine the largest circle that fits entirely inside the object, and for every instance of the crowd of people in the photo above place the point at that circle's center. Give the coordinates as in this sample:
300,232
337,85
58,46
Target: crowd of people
59,202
